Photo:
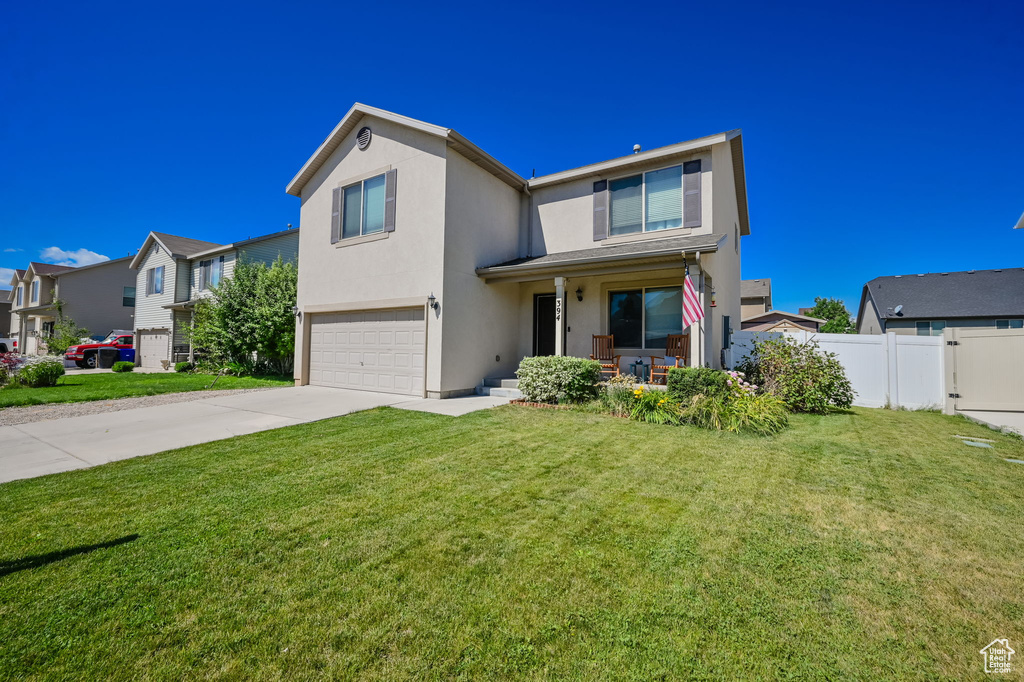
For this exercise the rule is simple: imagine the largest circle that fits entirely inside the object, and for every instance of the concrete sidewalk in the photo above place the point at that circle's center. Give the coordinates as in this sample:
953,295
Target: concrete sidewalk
48,447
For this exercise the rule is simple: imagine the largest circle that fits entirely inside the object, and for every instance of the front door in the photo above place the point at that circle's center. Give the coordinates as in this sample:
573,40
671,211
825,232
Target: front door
544,324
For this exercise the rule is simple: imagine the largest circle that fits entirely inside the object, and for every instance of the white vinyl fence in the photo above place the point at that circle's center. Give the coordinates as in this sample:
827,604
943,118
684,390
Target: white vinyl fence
886,370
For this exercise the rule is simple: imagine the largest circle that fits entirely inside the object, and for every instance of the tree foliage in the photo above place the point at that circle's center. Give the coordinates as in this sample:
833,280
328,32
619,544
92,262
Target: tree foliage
66,331
833,310
248,320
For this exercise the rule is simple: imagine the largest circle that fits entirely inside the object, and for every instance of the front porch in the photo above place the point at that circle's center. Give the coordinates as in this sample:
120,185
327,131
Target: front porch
35,325
633,292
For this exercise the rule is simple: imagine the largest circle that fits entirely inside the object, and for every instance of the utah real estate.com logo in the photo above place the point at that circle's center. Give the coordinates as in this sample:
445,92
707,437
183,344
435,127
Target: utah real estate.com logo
997,656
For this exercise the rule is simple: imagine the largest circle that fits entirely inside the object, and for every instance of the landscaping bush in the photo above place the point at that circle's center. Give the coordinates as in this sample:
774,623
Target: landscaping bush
40,372
616,395
762,414
123,366
685,382
803,376
555,379
183,367
656,407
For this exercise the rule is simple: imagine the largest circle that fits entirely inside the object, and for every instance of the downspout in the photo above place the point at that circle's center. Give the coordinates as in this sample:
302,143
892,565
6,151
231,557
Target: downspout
529,220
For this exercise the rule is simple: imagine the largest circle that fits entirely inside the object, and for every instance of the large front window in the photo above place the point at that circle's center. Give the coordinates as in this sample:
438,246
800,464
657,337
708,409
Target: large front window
643,318
647,202
363,209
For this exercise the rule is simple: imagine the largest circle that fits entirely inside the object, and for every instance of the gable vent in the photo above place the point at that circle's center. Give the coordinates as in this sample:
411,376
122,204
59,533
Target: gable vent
363,138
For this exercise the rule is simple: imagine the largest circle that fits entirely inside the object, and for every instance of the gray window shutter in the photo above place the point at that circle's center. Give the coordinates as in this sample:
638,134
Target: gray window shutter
600,210
204,273
691,194
149,282
389,200
336,216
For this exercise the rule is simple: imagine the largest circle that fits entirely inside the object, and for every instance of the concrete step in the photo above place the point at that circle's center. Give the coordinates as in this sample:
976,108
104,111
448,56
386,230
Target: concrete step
499,392
498,382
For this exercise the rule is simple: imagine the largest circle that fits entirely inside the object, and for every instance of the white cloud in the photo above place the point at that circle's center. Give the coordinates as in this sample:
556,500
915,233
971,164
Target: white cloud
5,278
58,256
13,250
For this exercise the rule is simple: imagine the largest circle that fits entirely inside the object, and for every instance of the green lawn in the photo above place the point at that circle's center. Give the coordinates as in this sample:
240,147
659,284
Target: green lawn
520,542
107,386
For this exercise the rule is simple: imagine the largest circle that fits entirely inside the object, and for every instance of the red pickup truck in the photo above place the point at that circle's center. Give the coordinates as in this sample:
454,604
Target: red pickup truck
86,355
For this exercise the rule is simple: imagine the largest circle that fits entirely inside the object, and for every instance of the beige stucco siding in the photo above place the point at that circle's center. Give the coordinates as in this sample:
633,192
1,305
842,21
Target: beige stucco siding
481,227
723,266
563,215
753,306
407,263
149,313
93,296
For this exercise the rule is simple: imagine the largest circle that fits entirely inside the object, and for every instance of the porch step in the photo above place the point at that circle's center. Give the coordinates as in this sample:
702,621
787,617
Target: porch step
498,392
499,382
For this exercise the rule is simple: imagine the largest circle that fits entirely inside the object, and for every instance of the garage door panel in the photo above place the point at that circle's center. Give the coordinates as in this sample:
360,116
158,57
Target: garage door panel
370,350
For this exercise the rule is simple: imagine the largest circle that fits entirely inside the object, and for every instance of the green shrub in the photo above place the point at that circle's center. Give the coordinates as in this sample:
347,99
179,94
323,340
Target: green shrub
762,414
555,379
685,382
123,366
40,373
183,367
656,407
806,378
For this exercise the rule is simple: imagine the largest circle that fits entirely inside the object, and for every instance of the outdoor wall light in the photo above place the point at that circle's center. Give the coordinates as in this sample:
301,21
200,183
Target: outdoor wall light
432,302
579,294
295,311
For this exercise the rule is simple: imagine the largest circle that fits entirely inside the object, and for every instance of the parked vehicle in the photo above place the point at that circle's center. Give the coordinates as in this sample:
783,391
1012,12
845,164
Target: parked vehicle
8,345
86,355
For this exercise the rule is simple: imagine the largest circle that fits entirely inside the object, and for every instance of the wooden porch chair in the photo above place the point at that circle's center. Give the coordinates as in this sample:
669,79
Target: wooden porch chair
604,352
677,349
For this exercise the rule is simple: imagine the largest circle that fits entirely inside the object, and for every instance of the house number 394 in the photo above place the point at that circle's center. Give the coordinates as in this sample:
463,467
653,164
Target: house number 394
558,310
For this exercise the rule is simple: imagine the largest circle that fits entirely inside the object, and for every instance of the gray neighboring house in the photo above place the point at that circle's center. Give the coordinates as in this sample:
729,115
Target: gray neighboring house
926,304
99,297
173,273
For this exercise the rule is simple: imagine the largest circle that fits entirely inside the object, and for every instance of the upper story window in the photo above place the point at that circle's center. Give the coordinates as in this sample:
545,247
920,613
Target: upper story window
21,290
363,208
1009,324
930,327
35,291
155,280
128,297
210,272
647,202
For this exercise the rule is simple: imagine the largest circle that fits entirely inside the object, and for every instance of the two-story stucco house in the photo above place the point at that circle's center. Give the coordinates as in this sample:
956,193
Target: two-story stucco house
173,273
99,297
428,266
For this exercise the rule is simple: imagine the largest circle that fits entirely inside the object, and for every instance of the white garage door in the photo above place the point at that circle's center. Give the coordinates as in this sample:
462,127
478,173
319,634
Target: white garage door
152,347
370,350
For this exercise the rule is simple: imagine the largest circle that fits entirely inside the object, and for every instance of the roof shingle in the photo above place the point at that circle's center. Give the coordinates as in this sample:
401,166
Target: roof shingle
972,293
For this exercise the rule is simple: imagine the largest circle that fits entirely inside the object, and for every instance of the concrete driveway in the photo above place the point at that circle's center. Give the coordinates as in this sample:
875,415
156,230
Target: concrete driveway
48,447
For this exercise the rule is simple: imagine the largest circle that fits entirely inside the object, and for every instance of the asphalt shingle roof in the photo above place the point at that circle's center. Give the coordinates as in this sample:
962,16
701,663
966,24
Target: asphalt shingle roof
974,293
49,268
756,288
184,246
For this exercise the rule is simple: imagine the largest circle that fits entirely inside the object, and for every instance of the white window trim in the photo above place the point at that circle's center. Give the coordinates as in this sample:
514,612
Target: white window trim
643,204
643,313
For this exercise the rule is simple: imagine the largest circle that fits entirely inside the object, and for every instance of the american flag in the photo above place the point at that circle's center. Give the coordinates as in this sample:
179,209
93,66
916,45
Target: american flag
693,311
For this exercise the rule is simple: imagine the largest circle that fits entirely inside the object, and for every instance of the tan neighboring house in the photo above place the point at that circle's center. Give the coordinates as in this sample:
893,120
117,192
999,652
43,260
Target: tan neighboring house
781,321
755,296
172,273
926,304
428,266
99,297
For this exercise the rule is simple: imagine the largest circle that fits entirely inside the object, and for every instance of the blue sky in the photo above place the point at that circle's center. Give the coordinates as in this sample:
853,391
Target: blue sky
880,138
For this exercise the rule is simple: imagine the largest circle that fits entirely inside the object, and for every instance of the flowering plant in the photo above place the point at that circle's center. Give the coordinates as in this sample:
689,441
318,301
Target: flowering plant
738,385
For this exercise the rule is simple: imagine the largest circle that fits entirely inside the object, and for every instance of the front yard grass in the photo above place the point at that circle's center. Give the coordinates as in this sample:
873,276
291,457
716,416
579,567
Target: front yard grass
523,543
106,386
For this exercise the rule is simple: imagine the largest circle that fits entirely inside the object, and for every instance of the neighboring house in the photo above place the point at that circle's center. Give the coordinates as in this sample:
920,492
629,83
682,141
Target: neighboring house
99,297
927,304
755,296
428,266
173,273
781,321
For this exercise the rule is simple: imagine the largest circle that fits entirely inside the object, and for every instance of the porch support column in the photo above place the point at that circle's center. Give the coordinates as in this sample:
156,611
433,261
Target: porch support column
559,315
